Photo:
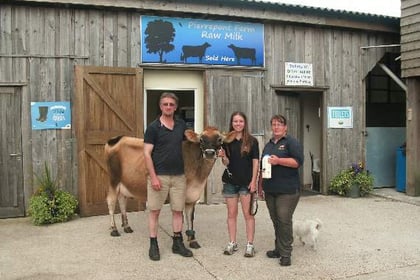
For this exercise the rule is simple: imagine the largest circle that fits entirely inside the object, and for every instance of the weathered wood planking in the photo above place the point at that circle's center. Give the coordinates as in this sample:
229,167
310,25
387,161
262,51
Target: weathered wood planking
41,45
410,38
410,69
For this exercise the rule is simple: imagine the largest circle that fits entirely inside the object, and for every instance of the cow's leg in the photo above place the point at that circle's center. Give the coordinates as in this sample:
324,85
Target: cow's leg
189,216
122,199
111,200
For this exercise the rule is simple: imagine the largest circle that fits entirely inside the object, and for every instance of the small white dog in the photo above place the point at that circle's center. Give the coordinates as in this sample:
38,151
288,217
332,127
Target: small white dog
307,231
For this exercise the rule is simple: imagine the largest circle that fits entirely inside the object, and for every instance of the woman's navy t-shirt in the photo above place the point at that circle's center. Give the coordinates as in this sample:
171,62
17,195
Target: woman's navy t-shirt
283,179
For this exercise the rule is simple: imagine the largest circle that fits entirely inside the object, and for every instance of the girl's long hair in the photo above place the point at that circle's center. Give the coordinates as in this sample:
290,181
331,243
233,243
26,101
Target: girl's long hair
247,138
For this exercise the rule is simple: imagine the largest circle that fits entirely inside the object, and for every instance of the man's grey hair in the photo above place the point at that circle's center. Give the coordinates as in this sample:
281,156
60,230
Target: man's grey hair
170,95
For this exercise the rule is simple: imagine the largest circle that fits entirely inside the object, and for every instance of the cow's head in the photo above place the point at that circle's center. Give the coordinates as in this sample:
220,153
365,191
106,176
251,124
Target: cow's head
210,140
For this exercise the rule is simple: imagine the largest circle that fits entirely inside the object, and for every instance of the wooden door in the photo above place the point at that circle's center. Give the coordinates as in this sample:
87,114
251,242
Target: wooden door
108,102
11,168
289,106
245,94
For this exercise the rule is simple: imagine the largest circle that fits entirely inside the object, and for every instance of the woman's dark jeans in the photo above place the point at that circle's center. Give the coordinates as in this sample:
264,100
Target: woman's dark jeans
281,208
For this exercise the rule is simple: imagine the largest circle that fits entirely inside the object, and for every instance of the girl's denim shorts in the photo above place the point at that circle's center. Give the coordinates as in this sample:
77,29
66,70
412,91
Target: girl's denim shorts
230,190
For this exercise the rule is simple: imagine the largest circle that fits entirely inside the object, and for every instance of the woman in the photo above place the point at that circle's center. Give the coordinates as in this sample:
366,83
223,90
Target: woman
239,180
282,190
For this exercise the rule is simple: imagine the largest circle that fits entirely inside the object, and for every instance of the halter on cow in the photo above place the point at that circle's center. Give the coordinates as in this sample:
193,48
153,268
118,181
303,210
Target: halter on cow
127,170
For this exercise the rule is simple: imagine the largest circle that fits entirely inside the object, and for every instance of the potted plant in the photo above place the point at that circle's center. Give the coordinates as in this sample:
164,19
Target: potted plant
354,181
49,204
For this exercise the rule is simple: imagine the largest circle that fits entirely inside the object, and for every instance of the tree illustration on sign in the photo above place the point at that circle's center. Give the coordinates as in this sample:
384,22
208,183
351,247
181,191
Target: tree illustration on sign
159,35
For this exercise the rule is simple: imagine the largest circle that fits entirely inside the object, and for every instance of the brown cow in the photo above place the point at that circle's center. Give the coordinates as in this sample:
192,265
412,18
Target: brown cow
127,170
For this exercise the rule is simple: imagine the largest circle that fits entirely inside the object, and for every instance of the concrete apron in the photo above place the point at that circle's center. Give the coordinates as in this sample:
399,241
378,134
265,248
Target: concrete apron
364,238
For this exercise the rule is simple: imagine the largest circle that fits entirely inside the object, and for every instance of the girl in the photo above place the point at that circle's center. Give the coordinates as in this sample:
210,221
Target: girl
239,180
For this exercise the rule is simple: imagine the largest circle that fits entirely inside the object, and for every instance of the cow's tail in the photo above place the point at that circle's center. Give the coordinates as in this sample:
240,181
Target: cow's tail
114,167
113,161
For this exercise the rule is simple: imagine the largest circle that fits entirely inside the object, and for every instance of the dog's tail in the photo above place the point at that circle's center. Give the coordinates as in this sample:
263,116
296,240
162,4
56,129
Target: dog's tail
318,224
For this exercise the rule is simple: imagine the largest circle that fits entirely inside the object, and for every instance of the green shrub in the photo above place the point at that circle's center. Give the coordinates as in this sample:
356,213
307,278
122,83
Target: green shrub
355,175
49,204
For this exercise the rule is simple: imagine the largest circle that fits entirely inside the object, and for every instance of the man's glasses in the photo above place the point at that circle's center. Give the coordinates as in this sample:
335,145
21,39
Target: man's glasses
168,104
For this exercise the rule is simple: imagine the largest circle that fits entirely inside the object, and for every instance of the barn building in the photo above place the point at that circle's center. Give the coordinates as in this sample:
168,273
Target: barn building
76,73
410,71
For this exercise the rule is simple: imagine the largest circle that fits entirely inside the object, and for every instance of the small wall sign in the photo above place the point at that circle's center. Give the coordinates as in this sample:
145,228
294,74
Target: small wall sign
298,74
340,117
51,115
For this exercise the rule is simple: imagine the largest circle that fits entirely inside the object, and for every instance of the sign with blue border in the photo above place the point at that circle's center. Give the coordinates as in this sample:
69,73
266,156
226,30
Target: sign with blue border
194,41
340,117
51,115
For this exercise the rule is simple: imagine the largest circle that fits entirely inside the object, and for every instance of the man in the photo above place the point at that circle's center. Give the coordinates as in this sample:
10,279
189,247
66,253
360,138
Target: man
163,156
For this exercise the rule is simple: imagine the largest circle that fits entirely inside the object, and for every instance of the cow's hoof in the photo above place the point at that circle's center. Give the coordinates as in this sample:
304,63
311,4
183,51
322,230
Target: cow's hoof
128,230
194,245
115,232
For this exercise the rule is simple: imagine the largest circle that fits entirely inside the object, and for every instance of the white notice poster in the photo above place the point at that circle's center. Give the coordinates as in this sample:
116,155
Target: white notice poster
298,74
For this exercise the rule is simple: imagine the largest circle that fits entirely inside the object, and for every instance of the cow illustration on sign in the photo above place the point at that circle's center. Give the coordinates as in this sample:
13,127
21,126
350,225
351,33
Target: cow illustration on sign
243,53
194,51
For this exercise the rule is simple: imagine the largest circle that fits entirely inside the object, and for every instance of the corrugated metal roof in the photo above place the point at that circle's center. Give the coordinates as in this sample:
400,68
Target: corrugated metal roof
248,4
319,9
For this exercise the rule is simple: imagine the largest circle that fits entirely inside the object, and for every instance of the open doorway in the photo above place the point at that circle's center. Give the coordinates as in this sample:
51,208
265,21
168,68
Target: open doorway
311,140
385,120
187,85
184,111
303,111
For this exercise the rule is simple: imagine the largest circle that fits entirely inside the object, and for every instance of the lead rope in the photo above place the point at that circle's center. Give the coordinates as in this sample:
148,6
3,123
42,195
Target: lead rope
253,208
228,155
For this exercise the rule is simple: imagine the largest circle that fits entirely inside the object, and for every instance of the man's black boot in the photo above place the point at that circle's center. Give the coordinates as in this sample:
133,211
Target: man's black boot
154,254
178,246
273,254
285,261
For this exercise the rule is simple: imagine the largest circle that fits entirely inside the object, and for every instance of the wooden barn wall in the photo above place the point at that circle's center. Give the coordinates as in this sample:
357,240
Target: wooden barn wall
410,69
39,48
41,45
410,38
231,91
339,65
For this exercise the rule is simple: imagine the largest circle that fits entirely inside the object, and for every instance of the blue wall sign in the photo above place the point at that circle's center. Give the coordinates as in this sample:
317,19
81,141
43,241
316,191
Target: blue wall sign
193,41
51,115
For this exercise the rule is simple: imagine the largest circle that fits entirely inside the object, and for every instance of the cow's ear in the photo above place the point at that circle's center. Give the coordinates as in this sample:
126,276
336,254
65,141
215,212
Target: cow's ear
191,136
229,137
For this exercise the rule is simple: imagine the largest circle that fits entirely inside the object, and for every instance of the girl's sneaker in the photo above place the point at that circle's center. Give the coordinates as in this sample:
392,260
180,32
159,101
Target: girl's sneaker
249,250
231,248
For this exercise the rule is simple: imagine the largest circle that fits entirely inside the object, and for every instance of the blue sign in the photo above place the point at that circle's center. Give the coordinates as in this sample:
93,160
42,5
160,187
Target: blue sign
340,114
194,41
51,115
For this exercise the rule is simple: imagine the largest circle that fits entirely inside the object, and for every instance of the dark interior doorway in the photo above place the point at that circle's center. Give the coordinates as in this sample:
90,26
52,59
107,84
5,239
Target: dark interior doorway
185,109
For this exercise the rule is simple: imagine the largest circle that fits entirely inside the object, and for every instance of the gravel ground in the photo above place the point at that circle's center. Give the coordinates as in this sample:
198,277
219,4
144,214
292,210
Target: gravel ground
376,237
